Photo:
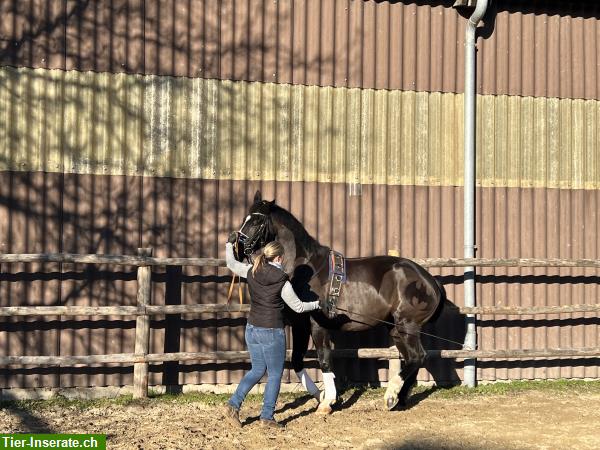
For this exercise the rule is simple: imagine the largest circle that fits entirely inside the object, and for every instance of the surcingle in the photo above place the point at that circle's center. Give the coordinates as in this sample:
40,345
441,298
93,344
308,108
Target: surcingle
337,277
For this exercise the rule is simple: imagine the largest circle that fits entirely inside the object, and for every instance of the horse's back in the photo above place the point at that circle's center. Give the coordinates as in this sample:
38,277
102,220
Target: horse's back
411,291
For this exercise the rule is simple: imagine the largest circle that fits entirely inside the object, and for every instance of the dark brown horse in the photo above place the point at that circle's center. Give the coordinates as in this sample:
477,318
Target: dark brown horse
377,289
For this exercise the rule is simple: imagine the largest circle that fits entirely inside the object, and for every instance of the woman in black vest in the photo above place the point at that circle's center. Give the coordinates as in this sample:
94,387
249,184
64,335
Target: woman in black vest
269,288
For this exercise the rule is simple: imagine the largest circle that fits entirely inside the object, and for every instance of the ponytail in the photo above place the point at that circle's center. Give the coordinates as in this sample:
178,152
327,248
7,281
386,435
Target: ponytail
258,262
271,251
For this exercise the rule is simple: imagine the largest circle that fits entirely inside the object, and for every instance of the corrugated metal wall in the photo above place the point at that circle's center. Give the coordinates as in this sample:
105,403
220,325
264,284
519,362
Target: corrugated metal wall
545,48
211,129
105,162
180,217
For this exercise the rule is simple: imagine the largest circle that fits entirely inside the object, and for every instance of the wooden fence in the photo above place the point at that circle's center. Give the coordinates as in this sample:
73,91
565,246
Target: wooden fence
141,358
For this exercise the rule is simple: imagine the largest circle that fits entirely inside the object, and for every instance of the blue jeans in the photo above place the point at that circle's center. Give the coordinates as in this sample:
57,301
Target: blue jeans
267,353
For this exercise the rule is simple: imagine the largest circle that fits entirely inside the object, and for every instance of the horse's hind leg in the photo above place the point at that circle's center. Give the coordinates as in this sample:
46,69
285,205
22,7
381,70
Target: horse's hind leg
322,342
406,337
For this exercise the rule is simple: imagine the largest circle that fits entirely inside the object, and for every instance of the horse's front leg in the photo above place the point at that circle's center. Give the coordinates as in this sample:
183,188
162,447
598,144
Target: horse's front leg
300,340
322,341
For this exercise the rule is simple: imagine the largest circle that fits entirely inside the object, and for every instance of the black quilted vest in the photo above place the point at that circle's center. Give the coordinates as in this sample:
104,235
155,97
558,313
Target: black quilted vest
266,304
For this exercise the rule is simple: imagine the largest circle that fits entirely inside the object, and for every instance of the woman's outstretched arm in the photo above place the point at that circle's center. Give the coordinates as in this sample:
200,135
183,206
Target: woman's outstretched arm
291,299
237,267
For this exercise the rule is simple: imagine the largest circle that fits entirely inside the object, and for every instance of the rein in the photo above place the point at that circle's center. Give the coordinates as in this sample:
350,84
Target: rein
394,325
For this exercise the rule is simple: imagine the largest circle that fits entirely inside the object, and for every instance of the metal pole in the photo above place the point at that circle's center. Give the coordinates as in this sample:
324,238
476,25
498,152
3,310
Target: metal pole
470,378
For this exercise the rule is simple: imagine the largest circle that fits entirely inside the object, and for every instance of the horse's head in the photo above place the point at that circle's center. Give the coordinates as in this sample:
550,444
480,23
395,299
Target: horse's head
256,230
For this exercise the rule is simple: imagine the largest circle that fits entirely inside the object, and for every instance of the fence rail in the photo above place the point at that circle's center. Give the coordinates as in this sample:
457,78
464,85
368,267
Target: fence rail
128,260
144,310
361,353
158,310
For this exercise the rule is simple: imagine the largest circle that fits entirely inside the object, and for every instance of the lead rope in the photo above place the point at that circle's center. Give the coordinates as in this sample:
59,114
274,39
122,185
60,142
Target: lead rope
394,325
240,293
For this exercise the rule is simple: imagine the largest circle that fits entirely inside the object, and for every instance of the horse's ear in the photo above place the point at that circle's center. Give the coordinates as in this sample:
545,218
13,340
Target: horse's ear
257,197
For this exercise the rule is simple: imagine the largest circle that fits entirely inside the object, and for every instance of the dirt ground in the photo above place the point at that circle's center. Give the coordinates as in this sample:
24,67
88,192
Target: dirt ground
517,420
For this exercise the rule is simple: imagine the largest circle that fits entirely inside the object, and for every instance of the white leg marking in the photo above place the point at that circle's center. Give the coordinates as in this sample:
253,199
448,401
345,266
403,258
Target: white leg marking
329,396
308,384
393,390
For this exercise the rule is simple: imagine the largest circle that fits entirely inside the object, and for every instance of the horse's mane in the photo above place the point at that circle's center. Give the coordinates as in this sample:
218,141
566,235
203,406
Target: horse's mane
287,218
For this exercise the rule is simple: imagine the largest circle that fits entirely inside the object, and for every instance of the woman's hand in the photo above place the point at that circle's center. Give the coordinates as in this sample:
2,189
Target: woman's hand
327,305
233,237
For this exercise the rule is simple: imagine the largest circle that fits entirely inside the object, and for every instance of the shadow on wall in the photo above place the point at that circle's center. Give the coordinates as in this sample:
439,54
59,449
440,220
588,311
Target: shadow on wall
82,213
445,333
56,212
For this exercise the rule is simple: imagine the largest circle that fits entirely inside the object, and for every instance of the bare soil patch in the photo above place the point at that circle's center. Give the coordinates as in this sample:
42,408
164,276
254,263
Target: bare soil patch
540,419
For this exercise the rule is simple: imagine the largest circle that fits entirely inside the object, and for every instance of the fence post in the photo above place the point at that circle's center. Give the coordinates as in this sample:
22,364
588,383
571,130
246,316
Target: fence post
393,367
142,327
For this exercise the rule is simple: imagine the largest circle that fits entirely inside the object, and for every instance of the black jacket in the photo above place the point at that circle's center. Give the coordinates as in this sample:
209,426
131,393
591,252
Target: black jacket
266,304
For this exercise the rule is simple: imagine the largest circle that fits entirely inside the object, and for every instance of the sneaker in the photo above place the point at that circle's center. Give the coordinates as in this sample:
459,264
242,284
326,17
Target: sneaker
233,416
271,423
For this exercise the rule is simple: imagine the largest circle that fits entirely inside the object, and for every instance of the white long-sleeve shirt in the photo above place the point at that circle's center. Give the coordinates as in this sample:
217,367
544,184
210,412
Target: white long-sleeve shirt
287,292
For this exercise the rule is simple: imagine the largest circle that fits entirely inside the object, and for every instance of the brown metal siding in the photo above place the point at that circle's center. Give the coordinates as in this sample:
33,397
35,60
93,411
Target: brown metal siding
543,223
84,122
183,217
547,50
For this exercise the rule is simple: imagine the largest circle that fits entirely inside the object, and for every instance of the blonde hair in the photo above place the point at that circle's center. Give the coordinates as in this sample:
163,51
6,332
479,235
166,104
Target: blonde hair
271,251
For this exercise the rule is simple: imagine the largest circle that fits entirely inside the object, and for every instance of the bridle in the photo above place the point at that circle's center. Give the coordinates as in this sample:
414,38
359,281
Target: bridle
248,243
258,238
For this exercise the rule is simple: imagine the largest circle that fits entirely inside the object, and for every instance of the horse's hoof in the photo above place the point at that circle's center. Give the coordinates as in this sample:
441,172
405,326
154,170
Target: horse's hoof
324,407
391,402
324,410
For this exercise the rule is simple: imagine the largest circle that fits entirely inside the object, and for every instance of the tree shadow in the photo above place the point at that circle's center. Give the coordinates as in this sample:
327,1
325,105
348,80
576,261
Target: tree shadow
28,421
51,210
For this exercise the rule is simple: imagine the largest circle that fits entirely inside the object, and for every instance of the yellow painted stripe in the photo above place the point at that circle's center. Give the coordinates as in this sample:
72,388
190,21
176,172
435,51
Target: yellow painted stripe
98,123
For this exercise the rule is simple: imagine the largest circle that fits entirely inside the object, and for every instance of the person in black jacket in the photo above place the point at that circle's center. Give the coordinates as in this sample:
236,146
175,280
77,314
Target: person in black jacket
269,288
